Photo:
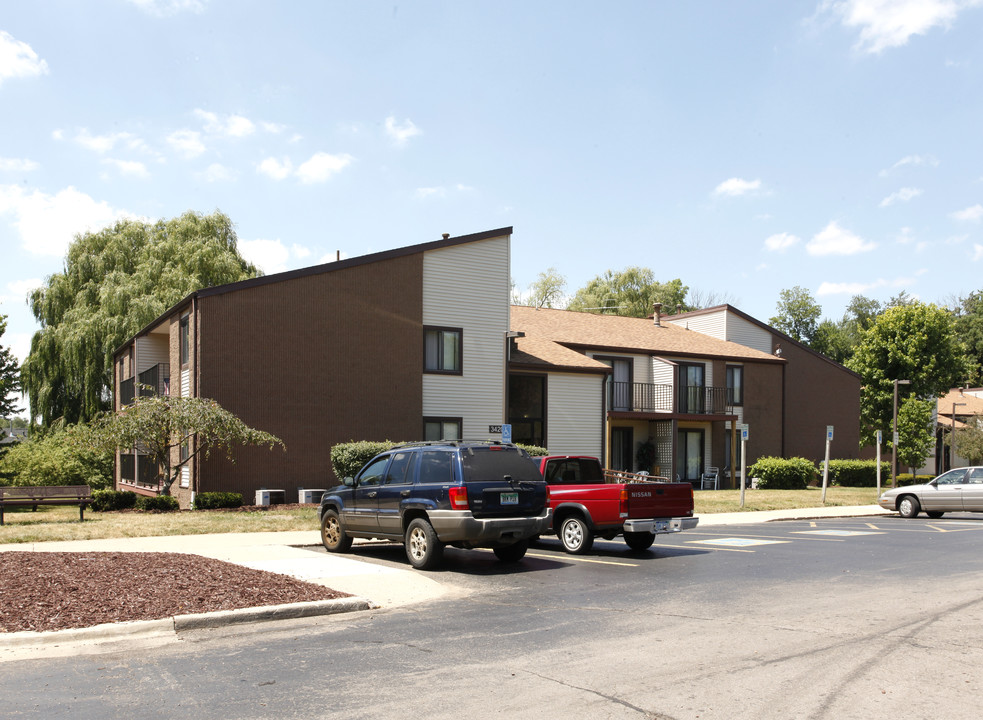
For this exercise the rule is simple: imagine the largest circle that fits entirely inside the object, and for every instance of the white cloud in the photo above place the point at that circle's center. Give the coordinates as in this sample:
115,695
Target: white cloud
891,23
977,252
322,166
272,256
100,143
912,161
47,224
17,165
431,192
217,173
834,240
186,142
847,288
970,214
401,133
275,169
164,8
273,128
18,59
20,345
735,187
131,168
902,195
780,242
20,288
235,126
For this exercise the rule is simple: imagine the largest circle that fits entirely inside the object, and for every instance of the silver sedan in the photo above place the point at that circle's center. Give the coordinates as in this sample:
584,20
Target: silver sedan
959,490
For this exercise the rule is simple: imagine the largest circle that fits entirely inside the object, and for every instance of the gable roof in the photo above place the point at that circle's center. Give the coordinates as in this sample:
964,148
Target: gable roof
552,338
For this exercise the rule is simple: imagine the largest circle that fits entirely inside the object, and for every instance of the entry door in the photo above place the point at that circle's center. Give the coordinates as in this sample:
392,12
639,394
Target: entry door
689,455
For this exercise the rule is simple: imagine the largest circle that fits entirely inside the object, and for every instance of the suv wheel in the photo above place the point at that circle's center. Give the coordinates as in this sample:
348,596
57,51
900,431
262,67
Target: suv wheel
333,533
423,549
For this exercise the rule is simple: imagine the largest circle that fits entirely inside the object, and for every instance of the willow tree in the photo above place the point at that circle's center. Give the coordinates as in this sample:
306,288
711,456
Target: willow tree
114,283
9,380
630,292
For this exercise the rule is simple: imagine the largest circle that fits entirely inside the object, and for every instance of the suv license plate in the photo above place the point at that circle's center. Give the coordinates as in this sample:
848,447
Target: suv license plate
510,498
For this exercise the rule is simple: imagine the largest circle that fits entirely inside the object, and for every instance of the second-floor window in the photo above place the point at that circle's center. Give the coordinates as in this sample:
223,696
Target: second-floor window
184,331
735,385
442,350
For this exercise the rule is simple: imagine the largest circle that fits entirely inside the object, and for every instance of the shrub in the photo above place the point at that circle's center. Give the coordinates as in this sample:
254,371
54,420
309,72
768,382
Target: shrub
108,500
217,500
158,503
348,458
909,479
53,459
856,473
783,474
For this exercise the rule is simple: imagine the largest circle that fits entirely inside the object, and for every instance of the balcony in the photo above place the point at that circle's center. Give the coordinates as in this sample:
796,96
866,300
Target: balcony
652,398
155,380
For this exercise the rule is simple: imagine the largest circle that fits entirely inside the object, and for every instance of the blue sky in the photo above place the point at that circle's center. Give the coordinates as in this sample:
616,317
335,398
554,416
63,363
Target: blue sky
744,148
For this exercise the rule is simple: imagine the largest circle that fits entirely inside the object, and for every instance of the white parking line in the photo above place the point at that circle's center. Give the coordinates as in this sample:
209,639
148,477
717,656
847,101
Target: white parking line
573,558
836,533
738,542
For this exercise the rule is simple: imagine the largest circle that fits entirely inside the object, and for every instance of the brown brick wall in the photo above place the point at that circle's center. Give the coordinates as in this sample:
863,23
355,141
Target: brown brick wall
315,360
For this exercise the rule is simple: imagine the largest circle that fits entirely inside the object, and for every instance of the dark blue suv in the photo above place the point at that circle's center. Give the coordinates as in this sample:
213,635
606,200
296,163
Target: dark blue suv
428,495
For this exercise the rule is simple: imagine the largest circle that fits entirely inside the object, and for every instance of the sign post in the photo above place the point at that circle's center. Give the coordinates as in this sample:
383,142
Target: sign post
829,439
744,436
880,439
506,433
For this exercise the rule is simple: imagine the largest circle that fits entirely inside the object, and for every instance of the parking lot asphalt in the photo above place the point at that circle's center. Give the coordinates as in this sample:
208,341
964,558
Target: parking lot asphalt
371,585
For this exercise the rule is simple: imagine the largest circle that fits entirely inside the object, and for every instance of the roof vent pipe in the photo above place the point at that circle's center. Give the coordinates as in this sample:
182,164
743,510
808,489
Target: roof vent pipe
445,235
657,317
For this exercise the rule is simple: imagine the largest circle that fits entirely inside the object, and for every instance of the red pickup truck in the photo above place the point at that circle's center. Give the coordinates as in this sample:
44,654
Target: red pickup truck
586,504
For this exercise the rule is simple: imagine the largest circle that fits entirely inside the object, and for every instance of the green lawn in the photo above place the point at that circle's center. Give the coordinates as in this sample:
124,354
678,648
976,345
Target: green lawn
61,523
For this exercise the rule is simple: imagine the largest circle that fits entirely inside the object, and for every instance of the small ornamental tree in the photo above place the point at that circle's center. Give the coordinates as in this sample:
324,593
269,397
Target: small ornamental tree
158,425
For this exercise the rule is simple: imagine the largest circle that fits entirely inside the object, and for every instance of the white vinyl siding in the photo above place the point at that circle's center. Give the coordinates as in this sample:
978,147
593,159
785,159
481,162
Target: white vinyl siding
185,383
150,350
748,334
713,324
641,370
467,287
662,371
574,414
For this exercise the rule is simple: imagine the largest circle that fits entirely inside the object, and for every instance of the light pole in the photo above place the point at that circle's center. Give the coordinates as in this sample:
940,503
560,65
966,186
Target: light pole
894,444
952,438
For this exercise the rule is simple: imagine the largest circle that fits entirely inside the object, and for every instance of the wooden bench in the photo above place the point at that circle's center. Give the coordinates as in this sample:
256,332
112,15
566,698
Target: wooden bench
35,495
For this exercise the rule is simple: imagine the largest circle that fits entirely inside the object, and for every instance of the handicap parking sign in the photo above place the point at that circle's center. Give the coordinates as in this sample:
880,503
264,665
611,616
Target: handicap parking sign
506,433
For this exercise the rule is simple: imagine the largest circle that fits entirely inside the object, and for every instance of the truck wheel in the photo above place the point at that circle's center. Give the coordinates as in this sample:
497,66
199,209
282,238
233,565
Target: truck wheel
576,535
512,553
423,549
333,534
639,540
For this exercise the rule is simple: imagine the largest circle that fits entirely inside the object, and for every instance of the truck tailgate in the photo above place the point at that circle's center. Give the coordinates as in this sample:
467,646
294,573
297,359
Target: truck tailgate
648,500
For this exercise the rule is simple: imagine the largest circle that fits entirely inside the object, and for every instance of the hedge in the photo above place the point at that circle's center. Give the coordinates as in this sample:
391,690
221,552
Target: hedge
217,500
109,500
856,473
909,479
158,503
776,473
348,458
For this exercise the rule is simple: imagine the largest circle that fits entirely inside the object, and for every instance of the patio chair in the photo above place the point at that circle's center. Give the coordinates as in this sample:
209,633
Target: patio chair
710,479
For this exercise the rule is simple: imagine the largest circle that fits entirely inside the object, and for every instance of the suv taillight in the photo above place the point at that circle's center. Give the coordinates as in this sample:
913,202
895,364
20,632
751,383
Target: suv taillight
458,497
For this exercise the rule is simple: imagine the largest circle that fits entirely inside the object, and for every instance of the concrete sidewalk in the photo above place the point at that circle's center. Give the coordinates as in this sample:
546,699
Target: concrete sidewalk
372,586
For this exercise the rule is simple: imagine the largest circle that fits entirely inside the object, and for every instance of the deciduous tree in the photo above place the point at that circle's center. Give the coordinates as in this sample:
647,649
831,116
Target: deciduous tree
160,425
915,342
798,314
115,282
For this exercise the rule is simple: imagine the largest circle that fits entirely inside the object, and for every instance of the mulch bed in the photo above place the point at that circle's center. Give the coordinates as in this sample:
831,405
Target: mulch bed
55,591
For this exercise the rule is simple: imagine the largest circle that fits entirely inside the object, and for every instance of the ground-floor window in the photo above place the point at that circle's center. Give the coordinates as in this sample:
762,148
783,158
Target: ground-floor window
527,409
442,428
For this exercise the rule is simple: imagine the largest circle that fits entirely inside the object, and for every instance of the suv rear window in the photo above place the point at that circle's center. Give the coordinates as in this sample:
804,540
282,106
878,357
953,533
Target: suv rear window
490,463
436,466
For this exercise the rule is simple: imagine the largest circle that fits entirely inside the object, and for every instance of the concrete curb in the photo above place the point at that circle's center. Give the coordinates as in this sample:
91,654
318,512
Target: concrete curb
146,629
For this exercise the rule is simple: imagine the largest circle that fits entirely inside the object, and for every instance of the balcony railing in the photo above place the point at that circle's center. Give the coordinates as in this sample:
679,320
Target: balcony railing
649,397
156,380
126,391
